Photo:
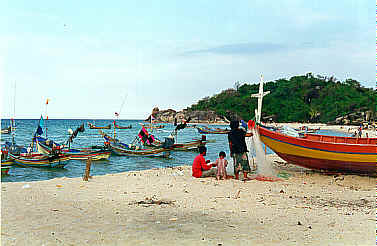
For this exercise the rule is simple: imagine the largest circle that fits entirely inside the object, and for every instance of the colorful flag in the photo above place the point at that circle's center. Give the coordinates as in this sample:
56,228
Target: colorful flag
145,137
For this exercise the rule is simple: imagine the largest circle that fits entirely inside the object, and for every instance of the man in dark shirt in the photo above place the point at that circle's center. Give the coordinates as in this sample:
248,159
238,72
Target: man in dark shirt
238,149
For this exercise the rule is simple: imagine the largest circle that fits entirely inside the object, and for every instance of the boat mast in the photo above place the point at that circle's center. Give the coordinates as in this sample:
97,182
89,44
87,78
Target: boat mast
260,95
47,100
117,114
13,121
151,122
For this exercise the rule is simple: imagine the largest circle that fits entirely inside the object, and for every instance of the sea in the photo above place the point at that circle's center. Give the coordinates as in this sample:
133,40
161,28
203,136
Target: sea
57,130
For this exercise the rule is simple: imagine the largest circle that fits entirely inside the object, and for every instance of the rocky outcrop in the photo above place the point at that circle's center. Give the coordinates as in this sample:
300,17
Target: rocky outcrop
170,115
355,118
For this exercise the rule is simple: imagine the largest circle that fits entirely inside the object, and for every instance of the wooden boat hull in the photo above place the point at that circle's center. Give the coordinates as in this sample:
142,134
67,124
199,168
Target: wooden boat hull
119,150
5,170
95,155
190,146
76,154
211,131
40,160
335,155
5,131
123,127
153,126
7,163
123,149
91,126
186,146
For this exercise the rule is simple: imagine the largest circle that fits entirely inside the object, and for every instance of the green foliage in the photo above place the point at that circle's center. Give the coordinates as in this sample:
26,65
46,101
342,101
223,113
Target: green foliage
300,99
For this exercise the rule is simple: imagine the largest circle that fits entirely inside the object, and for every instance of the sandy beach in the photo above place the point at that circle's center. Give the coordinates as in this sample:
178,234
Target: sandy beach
170,207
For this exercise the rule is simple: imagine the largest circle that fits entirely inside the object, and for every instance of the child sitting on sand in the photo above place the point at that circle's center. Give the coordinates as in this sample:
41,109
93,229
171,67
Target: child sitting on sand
200,166
221,164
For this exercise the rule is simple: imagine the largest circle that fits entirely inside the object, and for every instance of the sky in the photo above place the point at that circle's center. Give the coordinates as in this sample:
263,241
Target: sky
95,58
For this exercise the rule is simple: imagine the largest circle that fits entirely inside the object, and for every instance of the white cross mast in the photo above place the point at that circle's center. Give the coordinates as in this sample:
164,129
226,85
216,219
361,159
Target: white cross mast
260,95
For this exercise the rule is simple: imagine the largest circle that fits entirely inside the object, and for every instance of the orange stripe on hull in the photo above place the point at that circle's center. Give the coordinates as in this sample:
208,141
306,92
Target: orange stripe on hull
295,150
313,154
330,165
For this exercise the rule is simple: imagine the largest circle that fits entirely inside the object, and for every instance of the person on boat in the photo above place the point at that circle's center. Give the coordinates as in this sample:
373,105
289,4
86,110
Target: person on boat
200,167
183,124
238,149
360,131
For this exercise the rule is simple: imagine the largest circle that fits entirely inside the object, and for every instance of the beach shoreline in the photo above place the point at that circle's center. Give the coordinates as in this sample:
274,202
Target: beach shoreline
349,129
339,128
169,207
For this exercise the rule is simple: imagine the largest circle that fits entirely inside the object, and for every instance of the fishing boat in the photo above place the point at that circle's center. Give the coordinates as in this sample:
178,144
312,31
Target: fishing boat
124,149
206,130
6,165
189,146
322,152
170,143
6,130
185,146
5,170
147,139
151,126
305,129
86,153
25,158
91,126
46,146
6,162
122,127
40,160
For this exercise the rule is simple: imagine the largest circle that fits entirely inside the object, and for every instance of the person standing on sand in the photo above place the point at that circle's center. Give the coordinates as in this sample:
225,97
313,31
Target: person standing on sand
238,149
200,168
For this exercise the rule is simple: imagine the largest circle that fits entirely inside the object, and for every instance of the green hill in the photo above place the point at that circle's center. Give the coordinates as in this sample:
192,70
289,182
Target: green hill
305,98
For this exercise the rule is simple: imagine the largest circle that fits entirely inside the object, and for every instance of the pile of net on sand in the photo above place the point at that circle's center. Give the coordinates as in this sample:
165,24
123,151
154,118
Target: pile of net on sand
264,169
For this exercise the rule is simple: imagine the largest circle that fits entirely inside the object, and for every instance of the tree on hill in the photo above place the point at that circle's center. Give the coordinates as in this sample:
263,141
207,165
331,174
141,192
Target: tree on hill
304,98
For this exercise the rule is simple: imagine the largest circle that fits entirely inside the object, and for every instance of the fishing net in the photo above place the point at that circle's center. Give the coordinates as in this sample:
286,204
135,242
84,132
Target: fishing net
265,178
264,169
